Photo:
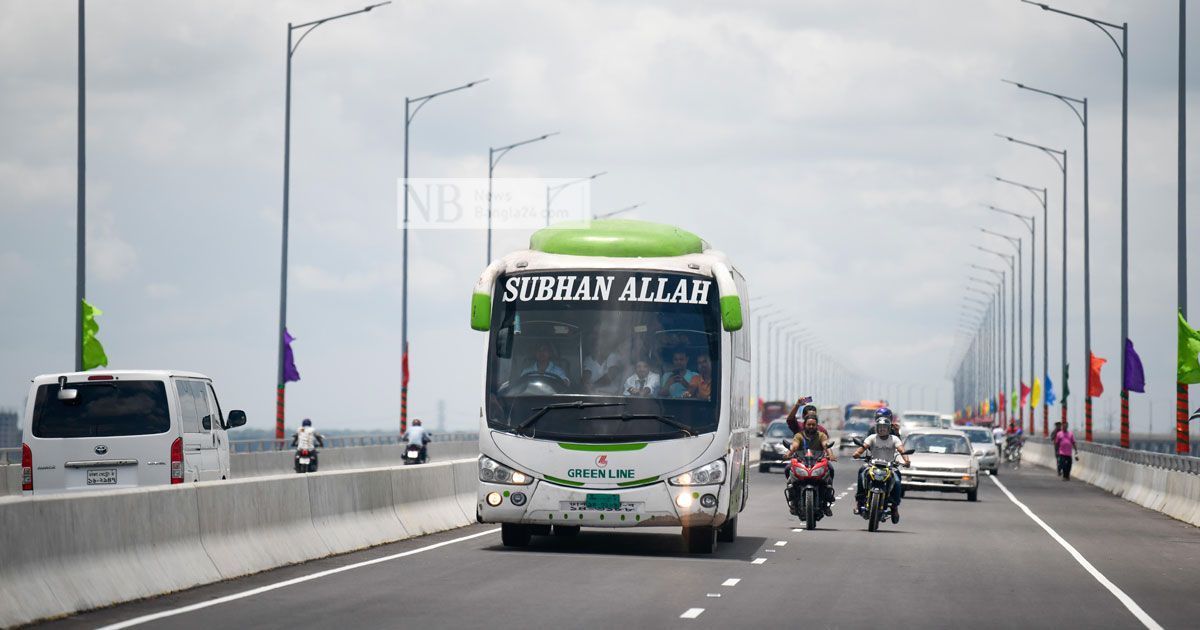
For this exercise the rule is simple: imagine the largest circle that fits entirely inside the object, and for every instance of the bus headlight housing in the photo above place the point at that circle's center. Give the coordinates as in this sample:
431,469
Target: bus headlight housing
492,471
709,474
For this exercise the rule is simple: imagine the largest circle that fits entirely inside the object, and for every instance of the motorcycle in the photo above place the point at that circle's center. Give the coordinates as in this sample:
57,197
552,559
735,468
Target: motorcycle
306,460
412,455
881,480
1012,452
807,487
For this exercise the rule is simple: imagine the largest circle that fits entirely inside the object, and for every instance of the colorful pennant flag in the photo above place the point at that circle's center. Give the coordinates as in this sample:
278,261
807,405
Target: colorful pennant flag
1024,393
1050,397
93,352
1135,376
1014,406
999,399
1066,382
1188,370
1095,387
1037,392
290,373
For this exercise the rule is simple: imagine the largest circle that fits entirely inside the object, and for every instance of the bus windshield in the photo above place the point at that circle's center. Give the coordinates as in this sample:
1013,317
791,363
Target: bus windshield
604,355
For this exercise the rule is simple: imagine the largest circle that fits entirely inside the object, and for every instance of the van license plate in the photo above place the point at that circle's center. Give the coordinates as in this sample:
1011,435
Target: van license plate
102,477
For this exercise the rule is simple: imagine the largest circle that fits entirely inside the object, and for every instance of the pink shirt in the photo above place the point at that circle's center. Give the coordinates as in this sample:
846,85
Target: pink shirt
1065,441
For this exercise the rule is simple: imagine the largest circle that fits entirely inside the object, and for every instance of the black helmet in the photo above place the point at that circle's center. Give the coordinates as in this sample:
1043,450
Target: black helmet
306,423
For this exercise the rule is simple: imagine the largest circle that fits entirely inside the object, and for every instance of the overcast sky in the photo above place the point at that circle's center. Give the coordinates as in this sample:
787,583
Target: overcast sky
837,151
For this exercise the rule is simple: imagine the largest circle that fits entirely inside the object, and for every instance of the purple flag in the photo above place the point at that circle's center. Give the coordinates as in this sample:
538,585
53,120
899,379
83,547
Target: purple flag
1135,378
290,373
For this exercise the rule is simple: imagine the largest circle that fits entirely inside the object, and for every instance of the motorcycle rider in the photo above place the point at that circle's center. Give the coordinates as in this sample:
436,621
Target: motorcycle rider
1014,437
882,445
808,408
307,439
814,438
416,434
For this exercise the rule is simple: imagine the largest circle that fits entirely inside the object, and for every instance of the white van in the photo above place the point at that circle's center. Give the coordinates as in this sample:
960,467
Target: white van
121,429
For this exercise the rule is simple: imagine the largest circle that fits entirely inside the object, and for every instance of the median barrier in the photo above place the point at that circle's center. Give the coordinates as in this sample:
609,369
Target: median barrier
354,509
71,552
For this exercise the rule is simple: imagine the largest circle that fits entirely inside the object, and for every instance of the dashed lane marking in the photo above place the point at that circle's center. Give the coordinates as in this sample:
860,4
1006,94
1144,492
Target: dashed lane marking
712,594
780,543
278,585
758,561
731,582
692,613
1131,605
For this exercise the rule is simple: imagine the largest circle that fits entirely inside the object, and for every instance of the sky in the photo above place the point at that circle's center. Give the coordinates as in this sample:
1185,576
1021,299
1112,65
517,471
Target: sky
838,152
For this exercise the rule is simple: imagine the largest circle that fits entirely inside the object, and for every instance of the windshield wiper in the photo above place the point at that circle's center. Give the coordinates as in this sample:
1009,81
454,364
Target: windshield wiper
578,404
667,420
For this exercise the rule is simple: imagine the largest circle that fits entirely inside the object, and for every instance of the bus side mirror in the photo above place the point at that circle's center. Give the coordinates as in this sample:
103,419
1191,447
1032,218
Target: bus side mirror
236,418
731,312
481,311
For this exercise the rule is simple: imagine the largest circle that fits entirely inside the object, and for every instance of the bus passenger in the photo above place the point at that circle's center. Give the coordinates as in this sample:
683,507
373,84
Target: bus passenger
642,382
701,385
543,365
601,368
676,383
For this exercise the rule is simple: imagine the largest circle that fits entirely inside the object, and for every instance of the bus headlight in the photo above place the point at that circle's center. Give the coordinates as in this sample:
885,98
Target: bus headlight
710,474
492,471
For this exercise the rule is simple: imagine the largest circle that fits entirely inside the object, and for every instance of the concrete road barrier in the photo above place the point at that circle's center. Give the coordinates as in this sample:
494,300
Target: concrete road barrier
72,552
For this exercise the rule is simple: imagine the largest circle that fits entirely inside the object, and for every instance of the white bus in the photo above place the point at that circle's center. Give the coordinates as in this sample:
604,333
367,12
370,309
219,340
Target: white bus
617,389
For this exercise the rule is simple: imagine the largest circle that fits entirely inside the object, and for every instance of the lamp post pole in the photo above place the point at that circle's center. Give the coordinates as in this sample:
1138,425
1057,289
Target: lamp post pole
495,154
1182,441
307,27
410,112
1016,243
613,213
1040,194
553,191
1123,49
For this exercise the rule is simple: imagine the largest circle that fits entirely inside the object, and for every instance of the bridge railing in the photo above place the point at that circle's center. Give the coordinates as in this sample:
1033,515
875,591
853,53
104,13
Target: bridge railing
1165,461
339,441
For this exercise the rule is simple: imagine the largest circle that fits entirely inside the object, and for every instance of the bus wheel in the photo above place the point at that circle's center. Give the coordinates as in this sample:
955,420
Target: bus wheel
701,539
728,531
514,535
566,530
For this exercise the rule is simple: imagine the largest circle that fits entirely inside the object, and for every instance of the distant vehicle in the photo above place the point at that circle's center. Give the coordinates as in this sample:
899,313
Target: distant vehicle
942,461
122,429
771,411
947,421
770,454
831,417
855,428
910,420
863,411
984,447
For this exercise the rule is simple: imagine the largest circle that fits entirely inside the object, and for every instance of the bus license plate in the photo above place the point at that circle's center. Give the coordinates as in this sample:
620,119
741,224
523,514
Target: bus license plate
603,502
102,477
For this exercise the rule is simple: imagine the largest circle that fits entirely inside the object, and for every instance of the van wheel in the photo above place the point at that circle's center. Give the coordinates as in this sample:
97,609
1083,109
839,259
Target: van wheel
700,539
973,494
514,535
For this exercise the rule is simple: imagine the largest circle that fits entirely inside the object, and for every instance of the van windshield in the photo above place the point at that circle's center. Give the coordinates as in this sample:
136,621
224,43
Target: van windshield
103,409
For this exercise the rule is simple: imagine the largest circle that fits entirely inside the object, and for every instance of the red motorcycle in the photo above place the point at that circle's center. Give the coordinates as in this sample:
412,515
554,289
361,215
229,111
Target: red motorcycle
807,487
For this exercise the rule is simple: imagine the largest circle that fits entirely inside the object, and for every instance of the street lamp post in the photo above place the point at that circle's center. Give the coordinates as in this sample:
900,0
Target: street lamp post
1123,49
1006,322
1016,243
1055,154
1031,223
307,27
1040,194
495,154
613,213
553,191
409,113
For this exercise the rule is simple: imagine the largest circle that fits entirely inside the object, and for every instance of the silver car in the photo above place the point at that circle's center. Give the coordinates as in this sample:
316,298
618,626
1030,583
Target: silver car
942,461
984,447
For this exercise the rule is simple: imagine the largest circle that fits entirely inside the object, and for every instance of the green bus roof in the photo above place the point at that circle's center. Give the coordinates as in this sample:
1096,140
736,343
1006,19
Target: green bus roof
616,238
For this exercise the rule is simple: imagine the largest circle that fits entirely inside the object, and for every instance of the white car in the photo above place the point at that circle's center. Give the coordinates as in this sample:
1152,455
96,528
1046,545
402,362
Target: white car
942,461
913,420
121,429
984,447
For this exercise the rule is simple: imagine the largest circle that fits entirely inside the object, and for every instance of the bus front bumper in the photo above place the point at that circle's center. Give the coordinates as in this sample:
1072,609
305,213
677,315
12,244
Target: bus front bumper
655,505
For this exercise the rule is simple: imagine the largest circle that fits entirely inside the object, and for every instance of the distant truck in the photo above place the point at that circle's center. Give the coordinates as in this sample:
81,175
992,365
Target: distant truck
121,429
769,412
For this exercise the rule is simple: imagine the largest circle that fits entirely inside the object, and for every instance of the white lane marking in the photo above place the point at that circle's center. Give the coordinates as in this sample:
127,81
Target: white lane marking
780,543
712,594
731,582
755,561
797,530
691,613
1131,605
278,585
769,550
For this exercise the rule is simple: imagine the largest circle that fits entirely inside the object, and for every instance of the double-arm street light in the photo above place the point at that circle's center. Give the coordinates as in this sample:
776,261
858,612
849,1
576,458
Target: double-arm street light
1040,195
1016,242
410,112
306,28
553,191
1060,160
1031,223
613,213
495,154
1108,29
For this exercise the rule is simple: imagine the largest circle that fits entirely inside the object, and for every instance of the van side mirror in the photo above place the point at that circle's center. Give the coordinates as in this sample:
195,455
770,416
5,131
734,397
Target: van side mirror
236,418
